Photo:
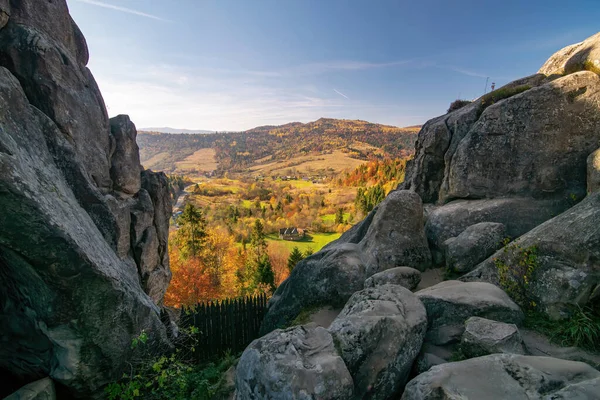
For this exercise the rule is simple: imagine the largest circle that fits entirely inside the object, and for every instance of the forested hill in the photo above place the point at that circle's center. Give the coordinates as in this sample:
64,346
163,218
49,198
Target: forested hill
237,151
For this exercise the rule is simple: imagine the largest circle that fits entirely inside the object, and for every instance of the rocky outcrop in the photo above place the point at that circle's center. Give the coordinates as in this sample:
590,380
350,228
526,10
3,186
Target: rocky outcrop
568,249
379,334
392,236
404,276
83,256
593,172
296,363
514,377
449,304
576,57
483,336
38,390
473,245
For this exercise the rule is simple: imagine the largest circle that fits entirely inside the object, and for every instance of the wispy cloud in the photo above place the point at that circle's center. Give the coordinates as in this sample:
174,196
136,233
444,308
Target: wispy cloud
122,9
341,94
463,71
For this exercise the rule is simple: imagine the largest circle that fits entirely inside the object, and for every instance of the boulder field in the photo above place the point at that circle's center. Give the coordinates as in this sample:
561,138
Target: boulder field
83,238
514,172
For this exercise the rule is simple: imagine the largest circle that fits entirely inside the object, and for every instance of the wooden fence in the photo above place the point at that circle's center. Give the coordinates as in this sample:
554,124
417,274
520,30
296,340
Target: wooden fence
224,325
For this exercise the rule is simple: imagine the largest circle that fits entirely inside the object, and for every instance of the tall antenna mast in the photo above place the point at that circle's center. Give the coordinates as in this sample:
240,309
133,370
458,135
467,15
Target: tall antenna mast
486,82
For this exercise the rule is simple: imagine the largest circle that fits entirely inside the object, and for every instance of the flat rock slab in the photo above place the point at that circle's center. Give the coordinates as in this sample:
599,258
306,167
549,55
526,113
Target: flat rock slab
403,276
506,376
483,336
38,390
449,304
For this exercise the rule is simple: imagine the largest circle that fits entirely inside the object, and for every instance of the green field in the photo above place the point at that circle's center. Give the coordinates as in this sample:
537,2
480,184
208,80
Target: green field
315,241
331,217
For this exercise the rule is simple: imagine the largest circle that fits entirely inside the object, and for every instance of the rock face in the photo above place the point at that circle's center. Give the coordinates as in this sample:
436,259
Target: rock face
379,333
577,57
296,363
391,236
38,390
514,377
83,256
449,304
473,245
568,250
404,276
593,172
483,336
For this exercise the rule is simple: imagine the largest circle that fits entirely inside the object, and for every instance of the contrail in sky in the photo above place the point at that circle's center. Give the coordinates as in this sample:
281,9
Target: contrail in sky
341,94
122,9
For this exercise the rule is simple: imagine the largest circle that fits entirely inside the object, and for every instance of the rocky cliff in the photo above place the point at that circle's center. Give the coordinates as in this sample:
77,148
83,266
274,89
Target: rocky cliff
83,237
520,164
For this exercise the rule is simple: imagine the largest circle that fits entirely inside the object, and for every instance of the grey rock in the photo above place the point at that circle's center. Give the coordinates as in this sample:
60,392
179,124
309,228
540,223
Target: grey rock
518,215
38,390
125,160
392,236
483,336
473,245
449,304
379,334
505,376
296,363
562,116
593,172
567,249
403,276
574,58
425,361
539,345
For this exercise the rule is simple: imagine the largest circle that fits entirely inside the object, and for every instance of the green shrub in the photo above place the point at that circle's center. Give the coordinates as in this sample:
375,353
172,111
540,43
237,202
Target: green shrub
173,376
516,277
458,104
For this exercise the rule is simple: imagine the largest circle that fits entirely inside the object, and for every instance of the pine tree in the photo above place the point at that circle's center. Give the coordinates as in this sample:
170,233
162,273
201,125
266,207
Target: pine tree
192,231
339,216
295,257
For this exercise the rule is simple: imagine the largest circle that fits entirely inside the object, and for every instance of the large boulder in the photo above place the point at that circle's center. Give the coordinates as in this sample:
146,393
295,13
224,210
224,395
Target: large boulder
392,236
506,376
74,294
576,57
449,304
483,336
566,272
473,245
404,276
297,363
593,172
519,215
379,334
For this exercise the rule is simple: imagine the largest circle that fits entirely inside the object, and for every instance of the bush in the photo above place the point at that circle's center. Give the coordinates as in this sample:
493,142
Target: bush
173,376
458,104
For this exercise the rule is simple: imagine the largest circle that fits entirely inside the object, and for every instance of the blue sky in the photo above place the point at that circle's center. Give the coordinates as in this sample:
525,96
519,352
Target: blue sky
233,65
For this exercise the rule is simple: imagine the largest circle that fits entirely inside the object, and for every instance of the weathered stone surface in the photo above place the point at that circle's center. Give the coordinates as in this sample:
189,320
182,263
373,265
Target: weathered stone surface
296,363
392,236
473,245
403,276
497,157
449,304
576,57
593,172
539,345
505,376
379,333
568,250
38,390
518,215
71,293
125,159
483,336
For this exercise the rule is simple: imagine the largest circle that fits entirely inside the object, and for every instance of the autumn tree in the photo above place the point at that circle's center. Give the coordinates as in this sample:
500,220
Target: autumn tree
192,231
295,257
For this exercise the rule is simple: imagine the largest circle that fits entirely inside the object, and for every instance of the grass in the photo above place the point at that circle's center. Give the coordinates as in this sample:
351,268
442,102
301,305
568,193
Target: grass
501,94
581,330
314,241
331,217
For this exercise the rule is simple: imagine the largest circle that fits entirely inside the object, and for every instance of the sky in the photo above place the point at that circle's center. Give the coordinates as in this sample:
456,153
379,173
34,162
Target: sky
231,65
